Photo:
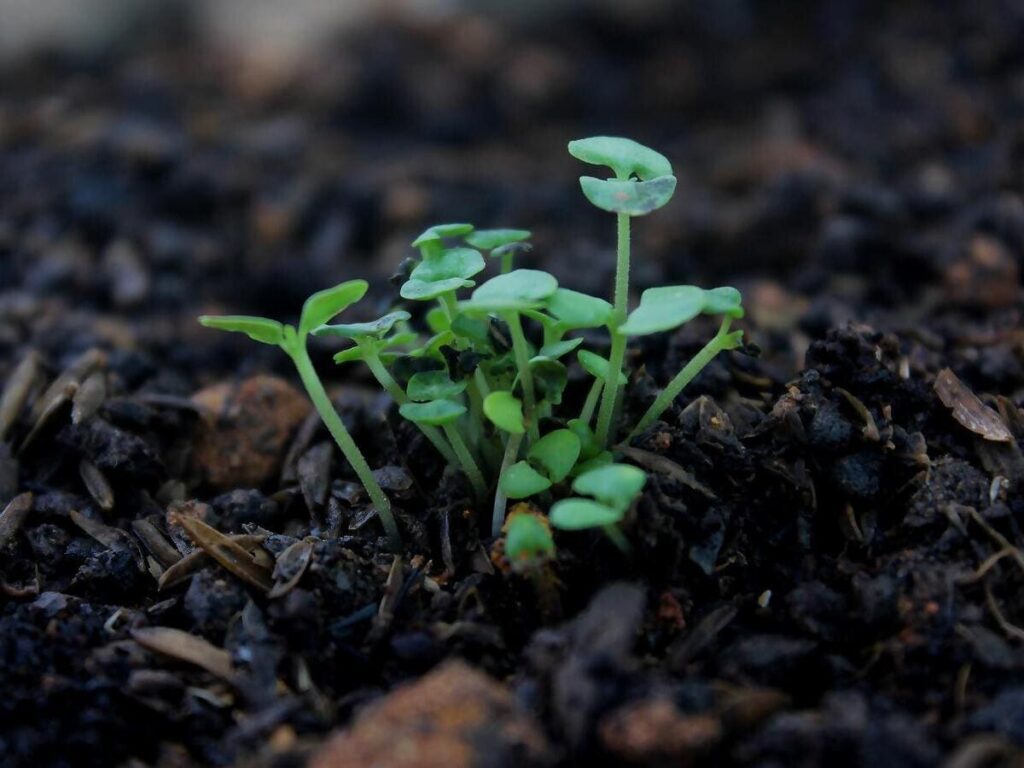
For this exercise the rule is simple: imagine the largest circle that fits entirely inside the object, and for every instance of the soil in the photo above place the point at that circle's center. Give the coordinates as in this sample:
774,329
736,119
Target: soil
826,564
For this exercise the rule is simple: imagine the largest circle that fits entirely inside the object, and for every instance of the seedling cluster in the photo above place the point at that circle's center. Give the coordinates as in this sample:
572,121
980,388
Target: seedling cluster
487,394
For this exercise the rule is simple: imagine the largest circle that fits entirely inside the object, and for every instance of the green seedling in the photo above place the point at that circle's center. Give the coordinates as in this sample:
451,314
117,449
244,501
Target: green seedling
613,489
528,541
484,376
318,308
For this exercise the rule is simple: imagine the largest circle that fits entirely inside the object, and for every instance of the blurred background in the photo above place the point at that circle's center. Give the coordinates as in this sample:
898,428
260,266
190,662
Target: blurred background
836,160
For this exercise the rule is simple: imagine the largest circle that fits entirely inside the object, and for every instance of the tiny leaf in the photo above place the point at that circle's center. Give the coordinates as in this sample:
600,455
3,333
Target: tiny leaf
597,366
634,198
589,447
556,454
434,414
521,480
527,538
723,301
433,385
662,309
418,290
439,231
559,348
451,263
505,411
518,290
375,329
323,305
576,310
550,376
602,459
624,156
615,484
580,514
259,329
489,239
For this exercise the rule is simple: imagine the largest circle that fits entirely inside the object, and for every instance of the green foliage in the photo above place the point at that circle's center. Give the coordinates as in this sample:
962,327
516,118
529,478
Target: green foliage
487,378
528,540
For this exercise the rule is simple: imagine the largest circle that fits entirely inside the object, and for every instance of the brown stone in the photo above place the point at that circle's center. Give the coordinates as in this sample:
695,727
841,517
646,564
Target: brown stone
244,430
657,731
454,717
985,276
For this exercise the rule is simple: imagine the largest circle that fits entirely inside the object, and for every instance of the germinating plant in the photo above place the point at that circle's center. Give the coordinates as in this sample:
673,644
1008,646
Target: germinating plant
483,375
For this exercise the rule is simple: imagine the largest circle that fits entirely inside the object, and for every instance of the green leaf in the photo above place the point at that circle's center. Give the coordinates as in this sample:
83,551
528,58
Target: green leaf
434,414
527,538
723,301
439,231
521,480
489,239
634,198
602,459
576,310
580,514
505,411
432,346
511,249
559,348
556,454
615,484
518,290
450,263
323,305
473,328
624,156
418,290
662,309
374,329
437,320
597,366
550,378
589,446
433,385
259,329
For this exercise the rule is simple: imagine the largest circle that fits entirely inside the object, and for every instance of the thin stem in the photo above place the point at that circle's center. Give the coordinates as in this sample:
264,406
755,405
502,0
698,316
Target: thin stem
372,359
617,355
500,499
481,382
522,355
720,342
618,538
476,414
351,452
506,262
466,461
591,402
448,304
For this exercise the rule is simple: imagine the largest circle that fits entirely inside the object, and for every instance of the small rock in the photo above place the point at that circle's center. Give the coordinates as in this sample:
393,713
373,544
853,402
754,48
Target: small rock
455,716
656,731
985,276
244,430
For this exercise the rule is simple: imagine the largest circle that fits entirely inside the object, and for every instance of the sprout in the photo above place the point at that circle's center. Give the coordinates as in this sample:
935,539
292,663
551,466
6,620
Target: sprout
502,243
444,414
319,308
643,183
613,489
528,541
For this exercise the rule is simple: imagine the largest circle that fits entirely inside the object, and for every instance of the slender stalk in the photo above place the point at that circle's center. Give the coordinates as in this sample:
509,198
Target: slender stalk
617,355
591,402
351,452
481,382
618,538
500,499
506,263
476,414
466,461
720,342
522,356
387,381
448,304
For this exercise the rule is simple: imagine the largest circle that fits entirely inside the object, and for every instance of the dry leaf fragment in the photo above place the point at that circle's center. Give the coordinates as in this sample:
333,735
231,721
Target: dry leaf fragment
228,553
968,409
188,648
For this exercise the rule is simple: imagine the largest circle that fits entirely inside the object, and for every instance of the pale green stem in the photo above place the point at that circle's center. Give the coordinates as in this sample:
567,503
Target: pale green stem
387,381
591,402
617,355
466,461
720,342
618,538
506,263
448,304
481,382
522,356
351,452
500,499
476,414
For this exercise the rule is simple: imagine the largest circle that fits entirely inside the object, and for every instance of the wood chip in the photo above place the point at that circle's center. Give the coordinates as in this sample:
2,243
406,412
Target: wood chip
192,563
188,648
155,541
13,516
17,390
229,554
968,409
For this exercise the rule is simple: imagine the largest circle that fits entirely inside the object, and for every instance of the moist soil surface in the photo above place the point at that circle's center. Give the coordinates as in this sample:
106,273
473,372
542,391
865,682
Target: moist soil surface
825,564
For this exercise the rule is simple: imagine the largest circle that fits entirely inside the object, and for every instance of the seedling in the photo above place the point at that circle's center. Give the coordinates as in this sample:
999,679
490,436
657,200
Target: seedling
484,376
614,488
318,308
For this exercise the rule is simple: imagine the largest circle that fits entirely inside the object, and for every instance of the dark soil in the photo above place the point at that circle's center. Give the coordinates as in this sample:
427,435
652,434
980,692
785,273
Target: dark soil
826,566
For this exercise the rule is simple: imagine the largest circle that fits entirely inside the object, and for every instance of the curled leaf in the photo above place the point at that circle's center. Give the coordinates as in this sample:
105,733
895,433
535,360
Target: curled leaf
521,480
435,414
489,239
634,198
624,156
259,329
323,305
373,329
